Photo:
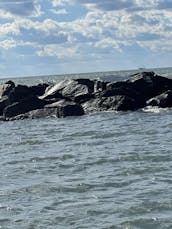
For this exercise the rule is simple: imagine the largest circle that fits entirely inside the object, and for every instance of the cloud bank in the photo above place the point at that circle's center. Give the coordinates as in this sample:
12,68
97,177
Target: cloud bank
83,31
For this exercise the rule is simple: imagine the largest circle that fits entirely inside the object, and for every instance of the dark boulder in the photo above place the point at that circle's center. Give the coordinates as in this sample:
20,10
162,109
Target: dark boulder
23,106
163,100
39,89
59,109
66,108
6,88
117,103
143,83
123,89
162,84
148,84
19,93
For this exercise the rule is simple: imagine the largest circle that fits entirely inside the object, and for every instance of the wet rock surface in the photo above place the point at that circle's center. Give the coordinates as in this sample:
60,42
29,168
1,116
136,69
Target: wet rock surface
75,97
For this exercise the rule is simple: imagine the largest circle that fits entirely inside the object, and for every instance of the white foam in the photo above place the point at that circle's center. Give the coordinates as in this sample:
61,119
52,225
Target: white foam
154,109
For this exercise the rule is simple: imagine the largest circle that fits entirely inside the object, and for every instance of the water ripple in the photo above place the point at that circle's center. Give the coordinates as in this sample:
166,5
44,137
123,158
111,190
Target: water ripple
106,170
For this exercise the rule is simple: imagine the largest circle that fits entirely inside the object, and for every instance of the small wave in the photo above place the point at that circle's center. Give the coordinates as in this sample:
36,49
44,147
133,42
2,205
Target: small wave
154,109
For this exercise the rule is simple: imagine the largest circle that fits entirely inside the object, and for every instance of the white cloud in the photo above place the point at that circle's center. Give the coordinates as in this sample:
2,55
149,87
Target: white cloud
147,27
59,12
7,44
58,51
56,3
21,8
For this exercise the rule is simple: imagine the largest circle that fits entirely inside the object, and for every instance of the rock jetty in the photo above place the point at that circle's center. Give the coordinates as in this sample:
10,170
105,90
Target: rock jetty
75,97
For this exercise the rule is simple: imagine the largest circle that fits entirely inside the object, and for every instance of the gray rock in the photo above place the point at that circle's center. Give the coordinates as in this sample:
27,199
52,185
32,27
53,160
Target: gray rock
66,108
116,103
74,89
163,100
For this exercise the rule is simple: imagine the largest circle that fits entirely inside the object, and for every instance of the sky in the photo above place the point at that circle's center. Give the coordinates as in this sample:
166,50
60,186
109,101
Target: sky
48,37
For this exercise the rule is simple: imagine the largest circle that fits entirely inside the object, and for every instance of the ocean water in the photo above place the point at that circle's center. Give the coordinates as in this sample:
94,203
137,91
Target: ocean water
109,170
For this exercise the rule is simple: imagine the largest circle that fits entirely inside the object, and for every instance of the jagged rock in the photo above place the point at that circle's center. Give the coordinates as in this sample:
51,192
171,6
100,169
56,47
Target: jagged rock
75,89
54,91
6,88
69,89
163,100
23,106
117,103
